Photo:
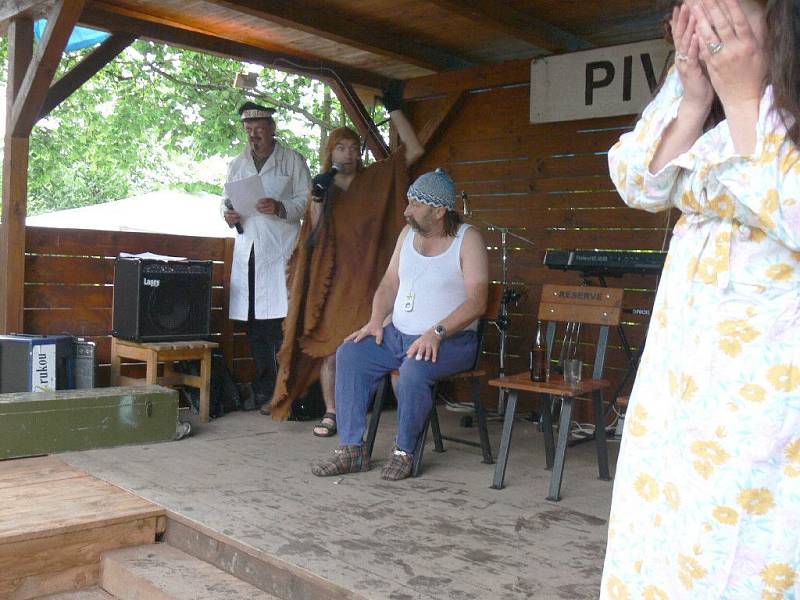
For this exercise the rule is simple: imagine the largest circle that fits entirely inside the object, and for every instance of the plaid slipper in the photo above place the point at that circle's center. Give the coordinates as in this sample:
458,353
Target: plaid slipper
347,459
399,466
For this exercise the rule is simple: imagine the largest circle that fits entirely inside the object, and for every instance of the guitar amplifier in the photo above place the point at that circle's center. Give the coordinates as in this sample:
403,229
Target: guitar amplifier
157,300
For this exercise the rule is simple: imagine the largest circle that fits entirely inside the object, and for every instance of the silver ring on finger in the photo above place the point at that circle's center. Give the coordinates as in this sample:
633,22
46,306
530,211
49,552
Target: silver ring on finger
714,47
681,56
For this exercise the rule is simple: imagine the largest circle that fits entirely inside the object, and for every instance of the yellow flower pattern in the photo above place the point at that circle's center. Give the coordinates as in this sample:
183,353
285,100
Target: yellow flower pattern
647,487
709,469
672,495
780,272
733,333
726,515
689,570
785,378
617,590
652,592
779,576
752,392
756,501
636,425
792,455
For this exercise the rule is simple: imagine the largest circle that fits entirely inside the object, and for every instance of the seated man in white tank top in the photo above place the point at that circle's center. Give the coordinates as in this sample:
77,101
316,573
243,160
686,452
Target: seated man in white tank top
434,289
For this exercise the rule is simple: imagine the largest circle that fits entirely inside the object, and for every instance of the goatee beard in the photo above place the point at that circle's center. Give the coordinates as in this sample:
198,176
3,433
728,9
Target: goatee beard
413,224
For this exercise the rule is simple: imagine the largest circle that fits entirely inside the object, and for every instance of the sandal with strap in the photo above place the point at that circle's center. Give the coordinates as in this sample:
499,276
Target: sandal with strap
330,429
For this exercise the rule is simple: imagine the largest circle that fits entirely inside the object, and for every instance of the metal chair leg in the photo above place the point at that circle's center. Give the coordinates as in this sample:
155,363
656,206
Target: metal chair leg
600,436
483,431
419,449
375,418
505,442
438,446
547,431
554,493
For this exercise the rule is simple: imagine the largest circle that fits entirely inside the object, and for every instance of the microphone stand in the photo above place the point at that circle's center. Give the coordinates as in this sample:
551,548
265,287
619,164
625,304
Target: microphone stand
509,294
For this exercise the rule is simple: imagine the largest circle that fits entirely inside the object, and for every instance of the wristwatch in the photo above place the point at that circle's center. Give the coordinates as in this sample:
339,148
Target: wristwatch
439,331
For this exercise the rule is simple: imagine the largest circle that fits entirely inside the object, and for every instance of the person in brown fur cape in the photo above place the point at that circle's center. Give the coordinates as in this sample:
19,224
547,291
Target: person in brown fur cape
344,248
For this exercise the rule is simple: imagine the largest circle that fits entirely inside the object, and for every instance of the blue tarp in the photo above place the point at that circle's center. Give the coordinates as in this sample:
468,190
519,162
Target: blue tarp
82,37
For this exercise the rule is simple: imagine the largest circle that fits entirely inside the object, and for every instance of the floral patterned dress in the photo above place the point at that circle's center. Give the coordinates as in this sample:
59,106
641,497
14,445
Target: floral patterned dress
706,500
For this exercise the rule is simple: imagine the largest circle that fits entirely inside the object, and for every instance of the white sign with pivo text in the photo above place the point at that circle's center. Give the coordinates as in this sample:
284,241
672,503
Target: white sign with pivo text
606,82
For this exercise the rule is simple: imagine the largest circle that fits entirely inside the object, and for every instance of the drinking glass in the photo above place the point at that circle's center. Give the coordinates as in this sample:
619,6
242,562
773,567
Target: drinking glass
572,371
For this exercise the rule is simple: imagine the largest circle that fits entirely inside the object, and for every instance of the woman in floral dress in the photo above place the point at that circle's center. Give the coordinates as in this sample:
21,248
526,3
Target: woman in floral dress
707,494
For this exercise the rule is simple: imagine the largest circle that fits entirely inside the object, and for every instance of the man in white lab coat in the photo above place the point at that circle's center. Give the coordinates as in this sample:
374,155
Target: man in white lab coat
265,240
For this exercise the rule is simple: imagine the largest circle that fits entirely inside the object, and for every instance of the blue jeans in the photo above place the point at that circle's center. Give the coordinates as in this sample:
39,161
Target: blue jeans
360,367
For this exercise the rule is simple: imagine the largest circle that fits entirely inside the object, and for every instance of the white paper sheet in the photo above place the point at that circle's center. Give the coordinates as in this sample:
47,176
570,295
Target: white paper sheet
151,256
244,194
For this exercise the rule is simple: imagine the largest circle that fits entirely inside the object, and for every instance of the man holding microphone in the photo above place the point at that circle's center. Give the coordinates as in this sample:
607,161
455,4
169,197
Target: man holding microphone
265,241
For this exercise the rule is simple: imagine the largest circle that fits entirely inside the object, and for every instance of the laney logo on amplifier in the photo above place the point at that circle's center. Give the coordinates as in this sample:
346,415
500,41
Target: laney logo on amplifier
154,283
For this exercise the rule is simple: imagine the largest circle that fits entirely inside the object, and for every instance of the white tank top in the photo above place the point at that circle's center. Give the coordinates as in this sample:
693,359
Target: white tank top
431,287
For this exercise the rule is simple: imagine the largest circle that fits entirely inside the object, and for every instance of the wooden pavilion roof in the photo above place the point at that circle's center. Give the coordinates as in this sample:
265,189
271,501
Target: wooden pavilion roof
369,41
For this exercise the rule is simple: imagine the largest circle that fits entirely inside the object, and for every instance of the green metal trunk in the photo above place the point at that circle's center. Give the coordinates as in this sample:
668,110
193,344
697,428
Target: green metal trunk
63,420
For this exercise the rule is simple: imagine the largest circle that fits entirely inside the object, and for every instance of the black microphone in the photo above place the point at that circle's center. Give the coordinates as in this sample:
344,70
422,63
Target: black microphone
229,206
323,181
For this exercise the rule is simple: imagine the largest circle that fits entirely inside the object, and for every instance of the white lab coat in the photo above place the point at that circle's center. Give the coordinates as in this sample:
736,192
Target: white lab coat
272,237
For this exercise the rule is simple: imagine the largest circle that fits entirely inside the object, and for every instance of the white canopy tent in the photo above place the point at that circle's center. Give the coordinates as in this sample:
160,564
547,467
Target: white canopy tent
166,211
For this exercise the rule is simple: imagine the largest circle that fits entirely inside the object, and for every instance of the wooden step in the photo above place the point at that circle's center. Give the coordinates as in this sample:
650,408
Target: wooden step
56,521
93,593
162,572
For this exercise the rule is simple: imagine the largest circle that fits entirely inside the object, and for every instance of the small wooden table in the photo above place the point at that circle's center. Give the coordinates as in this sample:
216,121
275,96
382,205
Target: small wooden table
554,456
152,353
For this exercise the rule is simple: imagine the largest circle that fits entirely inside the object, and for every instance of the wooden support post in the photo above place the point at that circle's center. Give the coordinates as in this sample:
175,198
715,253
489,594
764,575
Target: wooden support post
30,99
29,79
85,70
358,113
15,184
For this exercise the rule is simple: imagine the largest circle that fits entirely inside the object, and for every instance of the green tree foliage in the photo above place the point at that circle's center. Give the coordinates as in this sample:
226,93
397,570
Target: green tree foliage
154,117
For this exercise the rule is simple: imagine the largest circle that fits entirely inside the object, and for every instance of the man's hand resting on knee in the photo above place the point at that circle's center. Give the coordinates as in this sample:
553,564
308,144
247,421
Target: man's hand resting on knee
367,330
425,347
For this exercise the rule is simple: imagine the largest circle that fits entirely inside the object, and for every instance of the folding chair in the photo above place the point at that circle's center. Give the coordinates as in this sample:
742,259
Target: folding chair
565,304
473,374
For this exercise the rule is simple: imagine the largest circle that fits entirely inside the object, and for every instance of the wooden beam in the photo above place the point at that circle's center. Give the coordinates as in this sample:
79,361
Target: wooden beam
358,113
31,9
204,42
485,77
501,16
28,103
15,184
85,70
435,125
328,24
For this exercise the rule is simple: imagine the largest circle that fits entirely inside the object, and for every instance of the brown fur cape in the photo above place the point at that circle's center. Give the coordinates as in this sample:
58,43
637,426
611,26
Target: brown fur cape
331,284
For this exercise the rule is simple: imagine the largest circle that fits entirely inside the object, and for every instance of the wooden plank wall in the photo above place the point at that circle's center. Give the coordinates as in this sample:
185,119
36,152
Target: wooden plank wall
549,181
69,276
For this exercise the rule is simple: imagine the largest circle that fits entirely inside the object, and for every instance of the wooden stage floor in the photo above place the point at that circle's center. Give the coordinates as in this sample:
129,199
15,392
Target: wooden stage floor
443,535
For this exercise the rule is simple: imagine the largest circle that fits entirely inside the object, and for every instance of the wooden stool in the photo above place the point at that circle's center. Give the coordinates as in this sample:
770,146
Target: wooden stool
167,352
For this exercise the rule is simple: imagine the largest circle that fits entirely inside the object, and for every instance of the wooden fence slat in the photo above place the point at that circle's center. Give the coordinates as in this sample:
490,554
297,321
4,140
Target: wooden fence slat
79,242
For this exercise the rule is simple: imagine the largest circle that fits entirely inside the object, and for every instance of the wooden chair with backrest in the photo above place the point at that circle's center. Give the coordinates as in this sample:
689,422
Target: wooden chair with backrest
474,375
599,306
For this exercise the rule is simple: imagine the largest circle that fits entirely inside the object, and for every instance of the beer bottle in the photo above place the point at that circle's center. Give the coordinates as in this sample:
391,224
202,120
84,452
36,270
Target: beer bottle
538,356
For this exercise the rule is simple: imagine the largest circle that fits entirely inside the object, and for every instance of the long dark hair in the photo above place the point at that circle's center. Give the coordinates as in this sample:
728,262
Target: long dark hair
783,66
